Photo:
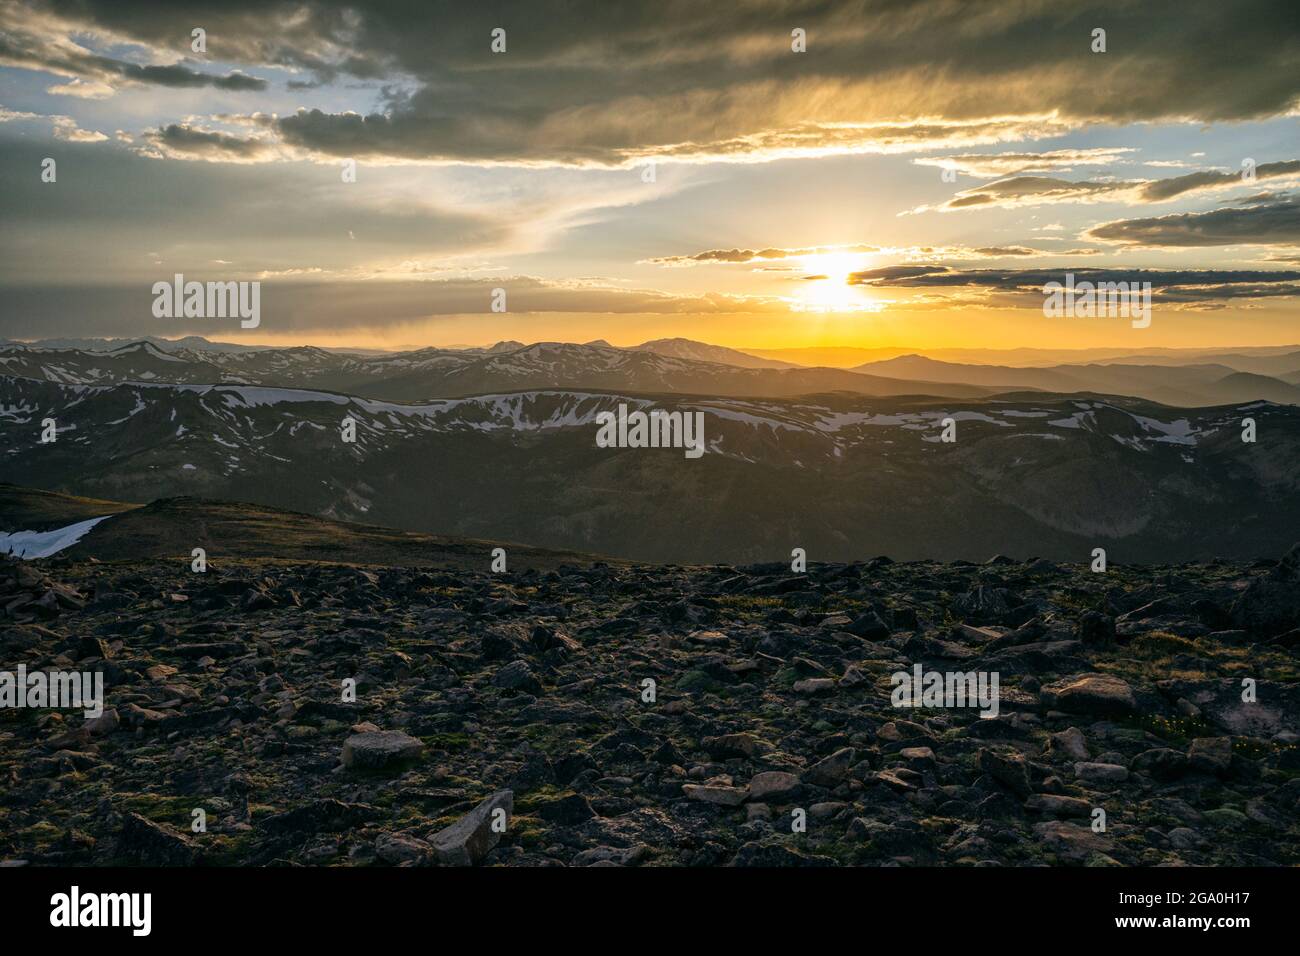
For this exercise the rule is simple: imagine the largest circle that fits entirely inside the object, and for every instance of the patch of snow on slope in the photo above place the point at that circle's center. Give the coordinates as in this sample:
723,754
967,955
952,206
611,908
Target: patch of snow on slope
1178,432
249,396
41,544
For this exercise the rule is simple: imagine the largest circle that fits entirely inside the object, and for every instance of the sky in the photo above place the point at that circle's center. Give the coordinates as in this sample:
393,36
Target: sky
760,174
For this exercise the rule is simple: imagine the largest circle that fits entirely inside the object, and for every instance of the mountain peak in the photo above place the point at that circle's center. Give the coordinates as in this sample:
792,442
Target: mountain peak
704,352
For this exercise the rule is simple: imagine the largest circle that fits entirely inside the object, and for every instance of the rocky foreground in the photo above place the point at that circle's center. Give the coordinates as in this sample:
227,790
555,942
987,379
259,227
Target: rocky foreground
519,702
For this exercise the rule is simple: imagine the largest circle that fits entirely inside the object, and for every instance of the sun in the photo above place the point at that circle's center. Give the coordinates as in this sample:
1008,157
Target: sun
826,286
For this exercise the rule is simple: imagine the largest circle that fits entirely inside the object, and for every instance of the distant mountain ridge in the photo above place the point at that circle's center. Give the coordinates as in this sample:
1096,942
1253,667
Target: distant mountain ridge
702,352
1266,358
1177,385
839,475
439,373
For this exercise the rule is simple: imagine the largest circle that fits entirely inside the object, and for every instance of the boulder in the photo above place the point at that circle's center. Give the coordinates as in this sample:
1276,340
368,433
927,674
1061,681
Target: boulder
380,749
1211,754
716,794
1099,694
833,770
1271,604
773,785
467,841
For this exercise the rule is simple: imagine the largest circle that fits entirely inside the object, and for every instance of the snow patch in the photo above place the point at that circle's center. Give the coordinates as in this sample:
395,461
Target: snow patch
41,544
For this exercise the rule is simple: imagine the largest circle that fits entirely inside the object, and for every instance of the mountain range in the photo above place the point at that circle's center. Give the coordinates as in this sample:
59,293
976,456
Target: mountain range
661,366
440,373
1143,458
1203,383
836,474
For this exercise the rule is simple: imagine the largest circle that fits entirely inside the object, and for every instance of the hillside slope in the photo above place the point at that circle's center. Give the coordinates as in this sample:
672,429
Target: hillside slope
170,528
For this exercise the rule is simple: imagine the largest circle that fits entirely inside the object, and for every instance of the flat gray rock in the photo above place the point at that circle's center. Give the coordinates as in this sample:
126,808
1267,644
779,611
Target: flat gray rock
473,836
377,749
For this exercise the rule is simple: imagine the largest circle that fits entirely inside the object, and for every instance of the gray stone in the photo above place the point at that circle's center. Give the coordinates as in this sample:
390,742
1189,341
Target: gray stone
517,675
772,785
1070,743
1185,838
1211,754
1071,842
1010,770
833,770
104,724
814,685
379,749
473,836
715,794
1100,773
397,848
1100,694
1054,805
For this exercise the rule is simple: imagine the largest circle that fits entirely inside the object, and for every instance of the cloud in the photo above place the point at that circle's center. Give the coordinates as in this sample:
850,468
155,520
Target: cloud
183,141
755,255
927,253
81,89
292,305
590,84
991,165
939,275
1163,189
48,37
1183,287
1272,223
1017,191
102,223
65,128
8,115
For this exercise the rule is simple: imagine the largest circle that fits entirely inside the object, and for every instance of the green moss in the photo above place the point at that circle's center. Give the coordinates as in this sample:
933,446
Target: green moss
1159,643
693,681
535,799
160,808
1178,729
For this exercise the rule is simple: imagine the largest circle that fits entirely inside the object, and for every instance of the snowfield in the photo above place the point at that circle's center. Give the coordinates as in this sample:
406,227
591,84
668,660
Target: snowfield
30,545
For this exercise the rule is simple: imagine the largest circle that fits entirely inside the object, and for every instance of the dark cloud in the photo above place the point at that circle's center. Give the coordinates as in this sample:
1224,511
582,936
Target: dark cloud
179,140
1267,223
1041,190
893,275
37,42
1031,191
1181,287
599,83
1244,290
1162,189
1010,279
179,76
